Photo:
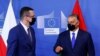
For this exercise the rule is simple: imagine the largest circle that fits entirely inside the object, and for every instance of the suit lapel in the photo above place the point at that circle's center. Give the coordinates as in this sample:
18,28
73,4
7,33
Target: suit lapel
24,33
69,40
77,40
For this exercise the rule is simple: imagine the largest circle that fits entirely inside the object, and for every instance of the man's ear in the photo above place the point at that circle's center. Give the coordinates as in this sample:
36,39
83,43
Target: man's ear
78,23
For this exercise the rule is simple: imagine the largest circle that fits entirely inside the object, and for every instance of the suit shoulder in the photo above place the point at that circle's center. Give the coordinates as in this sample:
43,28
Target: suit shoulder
14,29
64,32
85,32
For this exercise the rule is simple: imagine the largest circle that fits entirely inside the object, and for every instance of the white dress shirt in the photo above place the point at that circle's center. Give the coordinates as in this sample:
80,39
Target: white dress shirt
76,32
25,27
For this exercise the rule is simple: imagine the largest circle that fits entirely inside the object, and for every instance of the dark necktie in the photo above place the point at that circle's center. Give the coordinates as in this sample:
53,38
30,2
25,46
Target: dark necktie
29,34
73,39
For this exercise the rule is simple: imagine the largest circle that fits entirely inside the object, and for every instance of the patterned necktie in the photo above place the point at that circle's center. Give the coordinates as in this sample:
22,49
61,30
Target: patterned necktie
29,34
73,39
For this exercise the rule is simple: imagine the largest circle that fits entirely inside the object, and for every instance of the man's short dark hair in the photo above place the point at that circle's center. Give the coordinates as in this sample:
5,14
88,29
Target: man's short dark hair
24,10
74,15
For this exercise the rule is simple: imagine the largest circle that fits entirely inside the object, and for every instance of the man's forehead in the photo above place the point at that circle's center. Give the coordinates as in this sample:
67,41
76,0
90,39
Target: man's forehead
72,18
31,12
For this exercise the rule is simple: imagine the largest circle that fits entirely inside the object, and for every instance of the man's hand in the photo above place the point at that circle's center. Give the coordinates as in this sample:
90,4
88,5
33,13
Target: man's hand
58,49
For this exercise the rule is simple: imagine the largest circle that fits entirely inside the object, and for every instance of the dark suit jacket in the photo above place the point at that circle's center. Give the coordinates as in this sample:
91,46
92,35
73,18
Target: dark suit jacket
83,44
19,43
